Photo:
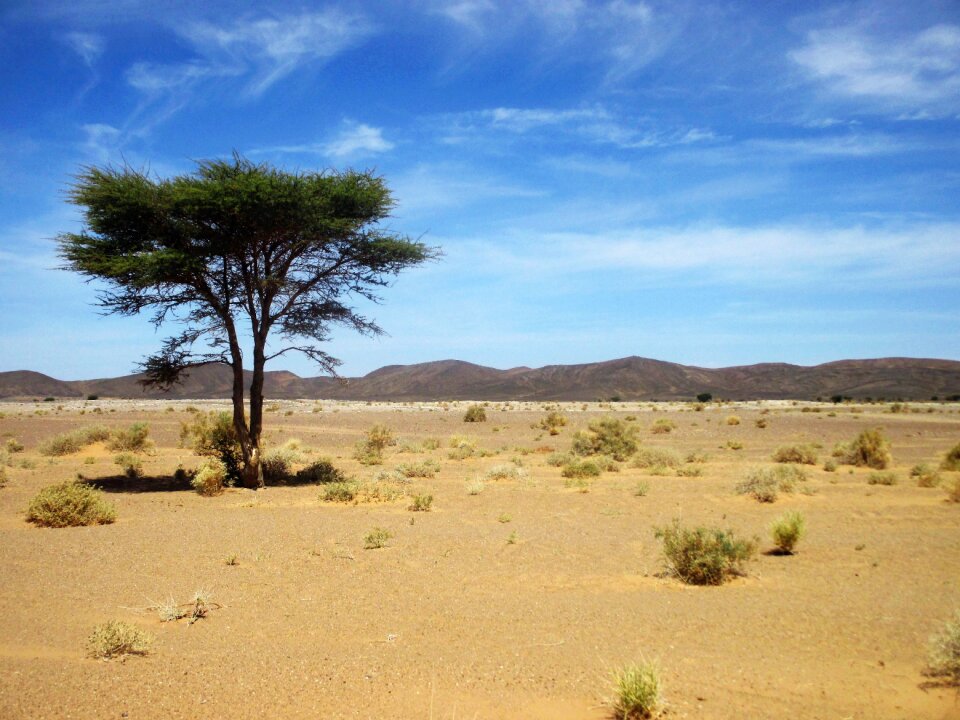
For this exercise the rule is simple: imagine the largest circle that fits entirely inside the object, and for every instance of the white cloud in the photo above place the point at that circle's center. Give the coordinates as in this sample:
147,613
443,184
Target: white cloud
915,73
102,141
87,45
357,139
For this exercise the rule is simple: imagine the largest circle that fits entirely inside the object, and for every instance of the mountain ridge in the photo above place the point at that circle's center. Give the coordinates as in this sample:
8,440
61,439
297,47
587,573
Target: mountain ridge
628,378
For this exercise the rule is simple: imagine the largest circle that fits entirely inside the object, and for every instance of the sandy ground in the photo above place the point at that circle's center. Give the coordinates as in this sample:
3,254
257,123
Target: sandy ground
517,602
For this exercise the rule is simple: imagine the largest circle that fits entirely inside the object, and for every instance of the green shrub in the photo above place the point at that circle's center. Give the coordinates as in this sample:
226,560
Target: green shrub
133,439
425,469
926,476
637,691
802,454
647,457
607,436
70,504
463,447
882,478
703,556
421,503
211,478
553,422
662,426
474,414
558,459
369,451
213,435
868,449
952,459
581,469
376,538
74,441
787,531
130,464
320,472
117,639
764,483
344,491
277,465
943,656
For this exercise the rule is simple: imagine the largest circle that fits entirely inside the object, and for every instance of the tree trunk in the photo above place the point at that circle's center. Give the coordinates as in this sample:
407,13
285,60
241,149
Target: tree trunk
254,470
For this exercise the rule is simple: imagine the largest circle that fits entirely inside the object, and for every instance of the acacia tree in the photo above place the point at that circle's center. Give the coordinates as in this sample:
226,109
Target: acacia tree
237,250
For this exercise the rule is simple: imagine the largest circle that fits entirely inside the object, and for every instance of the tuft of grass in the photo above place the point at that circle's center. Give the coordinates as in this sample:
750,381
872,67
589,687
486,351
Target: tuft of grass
704,556
475,414
376,538
637,691
421,503
607,436
952,459
868,449
117,639
210,478
800,454
70,504
882,478
926,476
475,486
642,488
943,654
787,530
505,471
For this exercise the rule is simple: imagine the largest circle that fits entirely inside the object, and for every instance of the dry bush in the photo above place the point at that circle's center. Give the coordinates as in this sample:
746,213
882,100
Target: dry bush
581,469
70,504
475,414
943,656
801,454
553,422
647,457
882,478
425,469
607,436
732,420
131,465
13,446
73,441
662,426
925,475
377,538
952,459
116,639
704,556
953,491
369,451
868,449
133,439
320,472
637,692
505,471
421,503
764,483
213,435
787,531
211,478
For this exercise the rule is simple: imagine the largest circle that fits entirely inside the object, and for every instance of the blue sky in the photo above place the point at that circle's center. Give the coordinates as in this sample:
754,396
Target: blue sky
706,183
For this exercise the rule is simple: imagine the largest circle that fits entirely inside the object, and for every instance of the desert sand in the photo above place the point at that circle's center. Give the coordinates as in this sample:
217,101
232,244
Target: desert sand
517,602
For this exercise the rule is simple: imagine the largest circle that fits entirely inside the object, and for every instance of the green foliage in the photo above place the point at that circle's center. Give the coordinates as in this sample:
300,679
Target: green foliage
343,491
117,639
425,469
214,435
421,503
553,422
70,504
277,465
952,459
581,469
704,397
637,692
134,439
474,414
320,472
369,451
74,441
882,478
943,655
868,449
607,436
787,530
704,556
211,478
802,454
376,538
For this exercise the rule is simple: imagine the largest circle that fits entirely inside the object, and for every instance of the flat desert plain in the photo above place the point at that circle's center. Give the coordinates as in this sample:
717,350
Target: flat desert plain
518,601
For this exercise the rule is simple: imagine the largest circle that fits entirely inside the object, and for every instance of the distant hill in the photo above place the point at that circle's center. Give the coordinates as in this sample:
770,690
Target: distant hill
631,378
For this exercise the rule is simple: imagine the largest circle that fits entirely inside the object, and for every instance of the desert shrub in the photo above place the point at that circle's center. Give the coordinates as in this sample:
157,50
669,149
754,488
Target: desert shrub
868,449
13,446
340,491
607,436
761,423
952,459
703,556
425,469
133,439
116,639
320,472
475,486
764,483
732,420
689,471
953,491
376,538
210,478
73,441
882,478
70,504
662,426
431,444
558,459
505,471
131,465
943,655
647,457
925,475
802,454
637,691
213,435
421,503
581,469
3,476
641,488
369,451
462,447
696,456
734,444
830,466
277,465
474,414
787,530
553,422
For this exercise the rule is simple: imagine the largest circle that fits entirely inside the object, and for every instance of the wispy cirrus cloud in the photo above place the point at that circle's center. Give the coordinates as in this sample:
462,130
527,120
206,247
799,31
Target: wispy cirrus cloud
353,140
89,46
915,74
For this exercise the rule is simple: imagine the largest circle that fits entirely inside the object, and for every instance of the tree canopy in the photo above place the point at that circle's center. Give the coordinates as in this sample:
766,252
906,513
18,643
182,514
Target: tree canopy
233,250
